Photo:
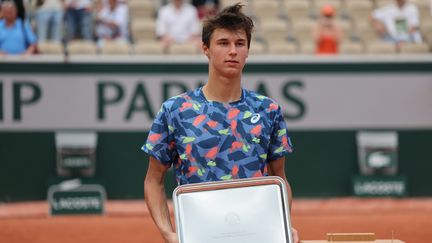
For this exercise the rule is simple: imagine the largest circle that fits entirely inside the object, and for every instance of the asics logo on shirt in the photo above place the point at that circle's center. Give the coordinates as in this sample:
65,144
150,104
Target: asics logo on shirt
255,118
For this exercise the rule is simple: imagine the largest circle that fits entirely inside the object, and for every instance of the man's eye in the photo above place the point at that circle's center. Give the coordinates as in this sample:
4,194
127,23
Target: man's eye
241,44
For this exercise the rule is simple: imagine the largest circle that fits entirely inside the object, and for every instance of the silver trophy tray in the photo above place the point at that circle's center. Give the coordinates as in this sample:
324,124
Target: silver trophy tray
236,211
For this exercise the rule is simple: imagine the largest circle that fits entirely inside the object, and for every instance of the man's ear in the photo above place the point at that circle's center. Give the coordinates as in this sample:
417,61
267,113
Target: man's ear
205,49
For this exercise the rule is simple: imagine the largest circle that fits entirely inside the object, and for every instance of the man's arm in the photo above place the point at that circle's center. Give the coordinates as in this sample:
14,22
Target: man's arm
154,195
30,50
277,168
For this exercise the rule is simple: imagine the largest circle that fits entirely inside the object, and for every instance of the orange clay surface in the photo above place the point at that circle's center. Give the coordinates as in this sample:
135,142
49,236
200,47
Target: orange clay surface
409,220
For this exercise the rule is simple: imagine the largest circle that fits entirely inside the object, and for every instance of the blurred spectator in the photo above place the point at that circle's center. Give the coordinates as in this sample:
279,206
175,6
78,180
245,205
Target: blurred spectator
177,22
49,20
78,16
20,8
326,33
206,8
16,35
398,22
112,21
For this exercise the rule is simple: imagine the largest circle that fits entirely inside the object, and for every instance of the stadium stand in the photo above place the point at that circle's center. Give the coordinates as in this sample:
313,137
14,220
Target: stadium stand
297,9
349,47
81,47
257,47
115,48
266,9
187,48
141,9
283,27
51,48
148,47
143,29
379,47
414,48
282,47
275,30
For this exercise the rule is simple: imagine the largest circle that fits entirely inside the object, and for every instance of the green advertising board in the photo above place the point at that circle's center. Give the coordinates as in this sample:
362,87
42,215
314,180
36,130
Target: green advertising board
380,186
81,199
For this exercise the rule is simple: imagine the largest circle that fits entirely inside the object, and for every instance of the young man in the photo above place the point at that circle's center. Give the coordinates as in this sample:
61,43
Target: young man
398,22
177,22
219,131
16,35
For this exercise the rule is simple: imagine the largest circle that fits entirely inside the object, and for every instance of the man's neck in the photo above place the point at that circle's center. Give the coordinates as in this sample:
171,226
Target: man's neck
178,6
223,90
10,22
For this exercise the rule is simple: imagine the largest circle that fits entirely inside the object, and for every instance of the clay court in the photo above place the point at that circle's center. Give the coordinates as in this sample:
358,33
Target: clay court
409,220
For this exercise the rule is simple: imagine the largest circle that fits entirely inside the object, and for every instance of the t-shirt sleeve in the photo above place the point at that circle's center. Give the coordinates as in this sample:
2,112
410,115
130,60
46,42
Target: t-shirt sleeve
280,143
160,141
379,14
413,17
161,29
31,37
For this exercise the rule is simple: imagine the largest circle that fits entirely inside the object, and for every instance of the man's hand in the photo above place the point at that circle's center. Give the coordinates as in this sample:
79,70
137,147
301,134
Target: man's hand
295,235
171,238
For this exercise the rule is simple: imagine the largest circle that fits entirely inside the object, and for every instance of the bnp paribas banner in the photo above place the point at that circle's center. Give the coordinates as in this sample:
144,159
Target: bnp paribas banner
130,102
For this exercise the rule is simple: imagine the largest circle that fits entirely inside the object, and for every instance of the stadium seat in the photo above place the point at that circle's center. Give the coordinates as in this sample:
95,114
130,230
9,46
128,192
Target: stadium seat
365,31
148,47
141,9
380,3
266,9
50,48
183,48
378,47
414,48
349,47
424,7
359,11
81,47
426,26
143,29
297,9
257,47
274,29
115,48
307,47
282,47
303,30
428,39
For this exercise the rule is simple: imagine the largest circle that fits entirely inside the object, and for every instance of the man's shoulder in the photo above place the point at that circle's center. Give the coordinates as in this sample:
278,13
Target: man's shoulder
166,9
410,7
257,98
176,102
189,7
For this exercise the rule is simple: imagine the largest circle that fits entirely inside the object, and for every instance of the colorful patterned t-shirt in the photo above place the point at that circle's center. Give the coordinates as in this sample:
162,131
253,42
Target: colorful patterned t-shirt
211,141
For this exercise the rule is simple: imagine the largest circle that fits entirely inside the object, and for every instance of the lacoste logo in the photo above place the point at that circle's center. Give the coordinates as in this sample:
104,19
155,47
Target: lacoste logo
255,118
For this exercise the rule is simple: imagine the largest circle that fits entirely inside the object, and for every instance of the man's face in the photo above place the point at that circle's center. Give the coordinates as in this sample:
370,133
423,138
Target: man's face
400,3
112,3
177,3
227,52
9,12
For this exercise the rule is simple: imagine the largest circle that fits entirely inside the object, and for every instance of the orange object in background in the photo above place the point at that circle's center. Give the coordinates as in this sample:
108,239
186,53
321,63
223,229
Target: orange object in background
327,44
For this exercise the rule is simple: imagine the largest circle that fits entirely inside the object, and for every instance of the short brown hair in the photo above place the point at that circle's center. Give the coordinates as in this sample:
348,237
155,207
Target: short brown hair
231,18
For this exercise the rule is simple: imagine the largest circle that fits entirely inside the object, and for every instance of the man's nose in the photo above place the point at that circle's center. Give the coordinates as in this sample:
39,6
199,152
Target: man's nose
233,49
